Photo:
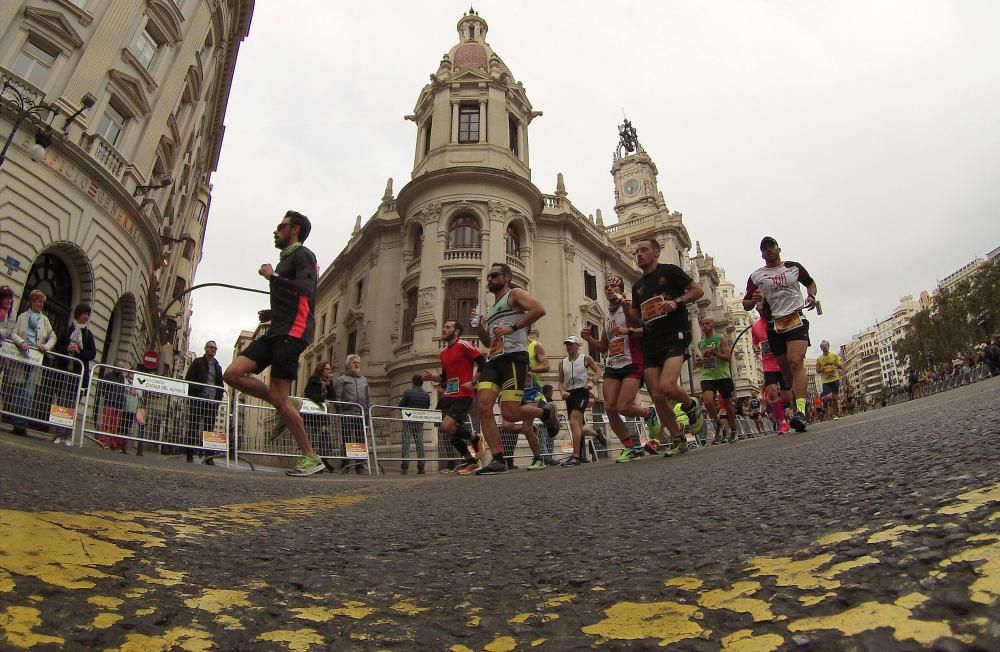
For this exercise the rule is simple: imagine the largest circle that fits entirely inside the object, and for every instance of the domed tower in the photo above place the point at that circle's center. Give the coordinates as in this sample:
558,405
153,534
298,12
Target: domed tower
470,201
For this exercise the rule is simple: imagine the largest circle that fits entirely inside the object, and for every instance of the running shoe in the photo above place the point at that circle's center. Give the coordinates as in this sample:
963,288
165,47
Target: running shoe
493,468
280,427
628,455
537,464
694,417
468,468
549,461
307,466
551,419
652,423
478,446
799,422
783,428
652,447
571,462
676,447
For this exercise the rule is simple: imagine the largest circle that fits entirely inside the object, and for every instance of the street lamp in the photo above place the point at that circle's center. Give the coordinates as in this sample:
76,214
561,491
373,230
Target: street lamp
27,107
159,181
86,102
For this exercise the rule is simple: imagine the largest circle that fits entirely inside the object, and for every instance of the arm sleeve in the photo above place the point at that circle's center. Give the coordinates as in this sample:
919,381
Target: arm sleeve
680,278
804,277
751,288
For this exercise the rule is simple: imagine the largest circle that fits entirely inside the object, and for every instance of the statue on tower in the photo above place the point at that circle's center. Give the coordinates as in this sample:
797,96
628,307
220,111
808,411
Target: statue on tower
628,139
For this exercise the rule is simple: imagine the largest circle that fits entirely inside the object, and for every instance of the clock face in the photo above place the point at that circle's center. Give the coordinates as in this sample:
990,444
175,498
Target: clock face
631,186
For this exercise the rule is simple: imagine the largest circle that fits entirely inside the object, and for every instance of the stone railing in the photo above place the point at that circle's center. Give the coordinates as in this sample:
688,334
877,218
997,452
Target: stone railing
413,265
515,263
29,92
463,254
105,153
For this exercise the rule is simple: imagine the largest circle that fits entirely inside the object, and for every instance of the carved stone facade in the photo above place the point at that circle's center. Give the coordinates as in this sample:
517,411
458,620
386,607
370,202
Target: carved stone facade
114,214
471,202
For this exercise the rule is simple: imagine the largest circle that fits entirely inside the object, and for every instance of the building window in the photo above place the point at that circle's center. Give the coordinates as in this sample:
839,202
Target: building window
144,48
179,286
513,242
322,324
359,289
512,134
352,342
188,249
468,123
590,286
112,124
33,63
427,135
409,315
418,242
460,298
464,233
336,306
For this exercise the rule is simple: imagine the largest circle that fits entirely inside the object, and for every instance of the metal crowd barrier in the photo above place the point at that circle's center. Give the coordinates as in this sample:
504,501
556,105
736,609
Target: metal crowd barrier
411,436
558,448
337,431
611,446
43,388
124,405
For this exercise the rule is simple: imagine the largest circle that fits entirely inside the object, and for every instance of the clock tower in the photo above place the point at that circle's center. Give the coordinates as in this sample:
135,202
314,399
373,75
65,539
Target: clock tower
639,203
636,192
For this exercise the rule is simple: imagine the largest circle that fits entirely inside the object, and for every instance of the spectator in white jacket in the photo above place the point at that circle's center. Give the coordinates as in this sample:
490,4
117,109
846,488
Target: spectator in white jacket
32,331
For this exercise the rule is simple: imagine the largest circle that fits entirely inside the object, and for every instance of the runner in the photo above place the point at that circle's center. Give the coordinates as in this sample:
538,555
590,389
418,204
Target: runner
575,383
662,295
505,373
538,364
717,377
776,288
622,371
293,291
828,367
456,380
774,382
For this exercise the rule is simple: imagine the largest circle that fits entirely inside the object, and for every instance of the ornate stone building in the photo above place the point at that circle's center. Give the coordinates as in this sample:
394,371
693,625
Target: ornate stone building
112,212
422,256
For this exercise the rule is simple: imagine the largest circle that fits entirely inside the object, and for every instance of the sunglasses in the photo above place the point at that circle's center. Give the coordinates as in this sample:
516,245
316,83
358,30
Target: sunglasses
494,274
283,225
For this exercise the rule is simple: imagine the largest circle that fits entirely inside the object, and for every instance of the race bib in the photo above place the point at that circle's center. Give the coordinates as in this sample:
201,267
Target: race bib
496,347
765,348
710,363
616,347
787,323
451,387
653,309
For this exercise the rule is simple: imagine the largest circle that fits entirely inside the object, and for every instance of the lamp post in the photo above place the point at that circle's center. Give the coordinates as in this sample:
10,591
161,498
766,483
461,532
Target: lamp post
26,107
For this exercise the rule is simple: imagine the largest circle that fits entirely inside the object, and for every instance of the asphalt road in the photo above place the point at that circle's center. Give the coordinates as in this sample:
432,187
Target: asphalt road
876,532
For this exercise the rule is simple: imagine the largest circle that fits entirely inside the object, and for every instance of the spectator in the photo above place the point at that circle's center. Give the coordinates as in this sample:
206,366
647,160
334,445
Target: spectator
78,342
8,320
32,331
352,387
319,390
113,397
414,397
205,390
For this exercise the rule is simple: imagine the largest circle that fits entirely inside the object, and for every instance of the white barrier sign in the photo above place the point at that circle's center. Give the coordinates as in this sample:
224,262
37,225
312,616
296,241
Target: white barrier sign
426,416
311,407
159,384
31,356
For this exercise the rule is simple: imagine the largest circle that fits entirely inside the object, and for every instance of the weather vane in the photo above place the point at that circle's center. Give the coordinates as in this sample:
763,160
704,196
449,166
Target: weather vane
628,139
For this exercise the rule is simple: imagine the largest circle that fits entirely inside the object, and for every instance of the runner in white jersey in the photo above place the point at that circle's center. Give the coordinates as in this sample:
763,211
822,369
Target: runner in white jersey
622,370
776,288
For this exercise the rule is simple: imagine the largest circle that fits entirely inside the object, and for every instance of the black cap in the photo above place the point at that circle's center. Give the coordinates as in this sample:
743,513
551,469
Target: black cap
768,240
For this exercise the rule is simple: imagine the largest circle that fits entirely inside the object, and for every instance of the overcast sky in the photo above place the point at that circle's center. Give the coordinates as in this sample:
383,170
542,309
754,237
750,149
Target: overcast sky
861,135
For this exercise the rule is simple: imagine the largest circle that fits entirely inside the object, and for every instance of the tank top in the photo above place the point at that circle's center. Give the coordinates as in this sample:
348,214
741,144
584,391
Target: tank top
575,372
536,379
715,368
500,314
623,350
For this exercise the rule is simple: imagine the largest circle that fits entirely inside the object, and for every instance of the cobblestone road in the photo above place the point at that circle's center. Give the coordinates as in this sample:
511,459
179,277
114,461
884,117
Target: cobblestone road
877,532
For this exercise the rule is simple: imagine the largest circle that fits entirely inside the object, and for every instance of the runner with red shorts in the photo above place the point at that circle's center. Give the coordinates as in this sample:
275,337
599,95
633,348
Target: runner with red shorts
774,382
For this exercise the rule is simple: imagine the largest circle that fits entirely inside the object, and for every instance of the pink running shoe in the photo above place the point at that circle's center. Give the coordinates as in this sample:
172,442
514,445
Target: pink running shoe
783,428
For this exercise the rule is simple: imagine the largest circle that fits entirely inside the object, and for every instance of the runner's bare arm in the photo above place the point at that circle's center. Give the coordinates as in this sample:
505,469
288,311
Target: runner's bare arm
532,307
724,352
600,344
543,360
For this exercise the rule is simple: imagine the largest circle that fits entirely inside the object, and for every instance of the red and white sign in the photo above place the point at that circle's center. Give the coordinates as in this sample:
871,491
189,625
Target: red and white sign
150,359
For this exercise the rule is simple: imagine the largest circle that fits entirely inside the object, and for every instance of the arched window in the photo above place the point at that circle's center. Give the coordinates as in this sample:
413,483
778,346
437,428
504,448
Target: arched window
513,242
50,275
464,233
418,241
